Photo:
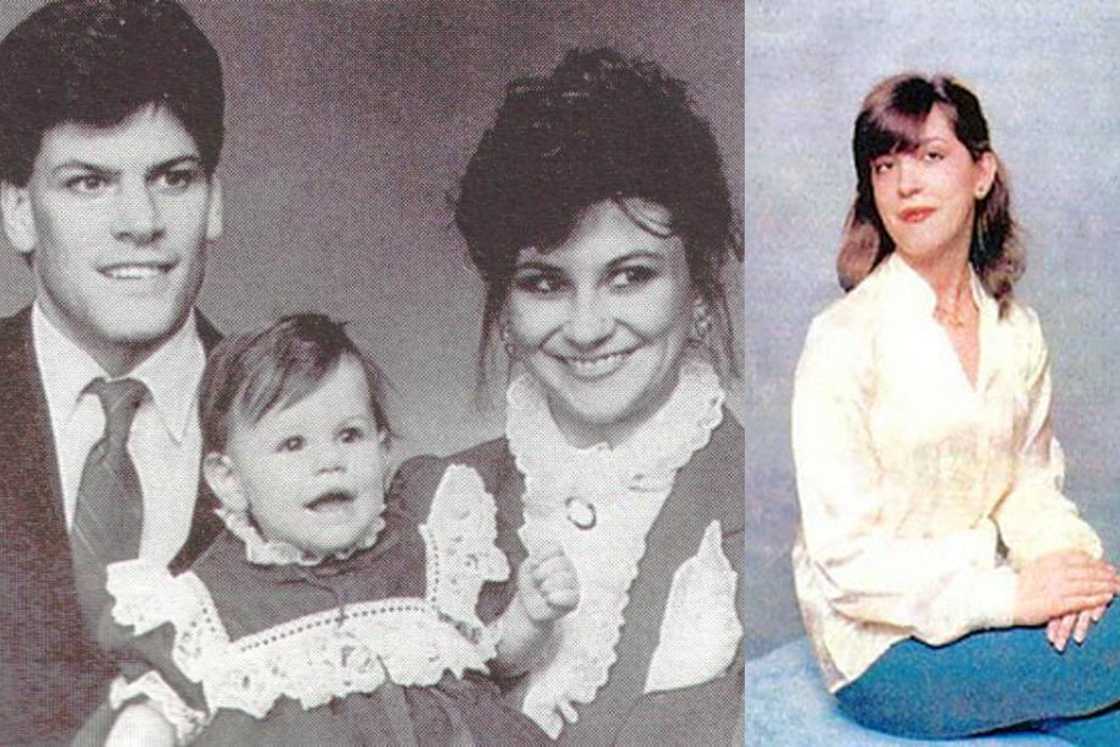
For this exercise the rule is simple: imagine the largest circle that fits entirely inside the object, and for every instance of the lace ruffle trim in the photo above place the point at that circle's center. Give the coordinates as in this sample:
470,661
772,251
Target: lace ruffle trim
459,536
312,659
649,458
260,551
553,469
187,722
582,664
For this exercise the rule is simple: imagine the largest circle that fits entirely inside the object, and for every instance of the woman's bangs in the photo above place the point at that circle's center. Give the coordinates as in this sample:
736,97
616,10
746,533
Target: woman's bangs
890,130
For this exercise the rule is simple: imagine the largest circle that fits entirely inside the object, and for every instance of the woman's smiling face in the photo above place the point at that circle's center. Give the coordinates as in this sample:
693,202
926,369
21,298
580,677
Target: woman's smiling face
926,197
602,319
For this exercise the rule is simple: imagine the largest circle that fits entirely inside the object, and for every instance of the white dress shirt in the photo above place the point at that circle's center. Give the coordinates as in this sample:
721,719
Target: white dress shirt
164,442
909,477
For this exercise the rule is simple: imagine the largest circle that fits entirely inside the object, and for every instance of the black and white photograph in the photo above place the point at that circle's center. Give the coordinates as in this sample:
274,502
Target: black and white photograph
371,372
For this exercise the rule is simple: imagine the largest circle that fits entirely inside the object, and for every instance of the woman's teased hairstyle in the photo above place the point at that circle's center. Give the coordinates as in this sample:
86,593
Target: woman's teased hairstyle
600,127
249,375
890,122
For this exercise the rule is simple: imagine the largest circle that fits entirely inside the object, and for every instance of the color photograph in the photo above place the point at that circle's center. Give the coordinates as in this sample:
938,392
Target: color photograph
930,283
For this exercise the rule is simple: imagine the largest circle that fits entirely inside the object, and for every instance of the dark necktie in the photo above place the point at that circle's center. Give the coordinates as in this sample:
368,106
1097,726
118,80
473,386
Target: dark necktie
109,511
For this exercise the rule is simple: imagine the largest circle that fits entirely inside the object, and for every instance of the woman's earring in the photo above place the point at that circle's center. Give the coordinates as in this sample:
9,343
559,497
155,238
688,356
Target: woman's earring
701,323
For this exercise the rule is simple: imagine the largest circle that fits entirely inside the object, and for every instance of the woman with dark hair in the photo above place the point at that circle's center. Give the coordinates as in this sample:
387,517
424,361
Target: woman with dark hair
597,212
935,539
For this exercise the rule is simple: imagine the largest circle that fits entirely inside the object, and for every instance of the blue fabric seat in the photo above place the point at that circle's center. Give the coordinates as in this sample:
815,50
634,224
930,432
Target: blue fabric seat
787,704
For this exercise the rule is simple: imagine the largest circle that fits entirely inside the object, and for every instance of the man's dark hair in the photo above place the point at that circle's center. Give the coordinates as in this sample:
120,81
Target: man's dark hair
97,62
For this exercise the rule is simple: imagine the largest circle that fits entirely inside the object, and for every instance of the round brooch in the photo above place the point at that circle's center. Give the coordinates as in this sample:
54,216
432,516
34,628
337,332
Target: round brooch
580,512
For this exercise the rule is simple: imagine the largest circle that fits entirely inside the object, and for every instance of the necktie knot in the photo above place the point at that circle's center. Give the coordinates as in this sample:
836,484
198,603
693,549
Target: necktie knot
120,399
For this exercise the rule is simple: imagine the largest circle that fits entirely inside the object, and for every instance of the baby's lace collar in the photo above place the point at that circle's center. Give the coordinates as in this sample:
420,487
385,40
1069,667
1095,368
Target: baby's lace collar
651,455
260,551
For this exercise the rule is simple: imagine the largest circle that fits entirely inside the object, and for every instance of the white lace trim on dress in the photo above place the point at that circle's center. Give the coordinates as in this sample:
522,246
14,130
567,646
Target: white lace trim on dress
260,551
459,536
626,487
333,653
187,722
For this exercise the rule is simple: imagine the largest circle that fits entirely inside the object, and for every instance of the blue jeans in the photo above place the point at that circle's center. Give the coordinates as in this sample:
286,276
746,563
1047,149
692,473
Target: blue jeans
993,680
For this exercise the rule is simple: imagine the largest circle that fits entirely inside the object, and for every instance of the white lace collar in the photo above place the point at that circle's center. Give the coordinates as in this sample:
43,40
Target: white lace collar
619,493
260,551
646,460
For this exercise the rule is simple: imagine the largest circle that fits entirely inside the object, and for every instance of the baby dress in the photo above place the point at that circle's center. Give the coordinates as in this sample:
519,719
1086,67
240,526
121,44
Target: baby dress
258,644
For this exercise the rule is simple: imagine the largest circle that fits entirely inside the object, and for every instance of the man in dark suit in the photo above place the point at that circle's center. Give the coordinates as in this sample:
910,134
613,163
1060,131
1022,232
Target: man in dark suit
110,131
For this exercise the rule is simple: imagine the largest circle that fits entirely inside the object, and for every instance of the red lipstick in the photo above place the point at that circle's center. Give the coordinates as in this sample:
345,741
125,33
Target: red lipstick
917,214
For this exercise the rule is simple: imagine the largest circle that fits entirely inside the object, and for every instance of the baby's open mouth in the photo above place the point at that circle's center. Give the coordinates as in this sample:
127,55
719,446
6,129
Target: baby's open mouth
330,499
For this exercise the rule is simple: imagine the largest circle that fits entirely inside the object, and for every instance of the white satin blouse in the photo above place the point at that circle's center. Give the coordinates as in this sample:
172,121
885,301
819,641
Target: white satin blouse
920,494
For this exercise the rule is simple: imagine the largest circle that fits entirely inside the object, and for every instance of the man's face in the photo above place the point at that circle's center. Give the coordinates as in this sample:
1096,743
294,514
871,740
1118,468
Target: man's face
115,221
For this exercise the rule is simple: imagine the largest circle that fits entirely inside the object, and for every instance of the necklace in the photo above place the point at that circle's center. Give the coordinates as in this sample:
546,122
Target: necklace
957,316
580,512
953,318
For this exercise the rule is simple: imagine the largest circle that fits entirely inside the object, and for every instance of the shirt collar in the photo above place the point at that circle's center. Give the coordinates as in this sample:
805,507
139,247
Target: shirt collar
171,374
65,368
648,459
914,291
263,552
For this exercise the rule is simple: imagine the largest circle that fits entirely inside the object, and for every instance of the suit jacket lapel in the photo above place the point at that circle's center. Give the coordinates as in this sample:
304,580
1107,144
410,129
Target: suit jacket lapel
52,674
32,477
25,435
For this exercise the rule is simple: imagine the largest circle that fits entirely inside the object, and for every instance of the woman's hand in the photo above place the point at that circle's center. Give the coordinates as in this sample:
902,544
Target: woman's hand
547,584
1075,624
1060,584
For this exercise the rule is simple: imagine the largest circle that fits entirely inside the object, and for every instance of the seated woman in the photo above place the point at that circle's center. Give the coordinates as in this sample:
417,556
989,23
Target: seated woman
597,213
935,538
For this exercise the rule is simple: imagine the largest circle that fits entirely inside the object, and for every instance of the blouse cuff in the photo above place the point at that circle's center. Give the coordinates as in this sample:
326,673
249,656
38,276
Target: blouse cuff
187,722
994,592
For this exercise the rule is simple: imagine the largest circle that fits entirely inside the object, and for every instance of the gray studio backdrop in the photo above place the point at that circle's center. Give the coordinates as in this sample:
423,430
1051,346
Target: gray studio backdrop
1045,73
348,123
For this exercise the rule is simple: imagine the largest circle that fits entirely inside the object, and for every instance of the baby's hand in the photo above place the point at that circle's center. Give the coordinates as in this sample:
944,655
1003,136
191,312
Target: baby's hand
547,584
140,723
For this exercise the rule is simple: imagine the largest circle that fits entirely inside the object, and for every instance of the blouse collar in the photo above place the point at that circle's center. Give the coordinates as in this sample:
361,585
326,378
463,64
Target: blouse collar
260,551
648,459
919,294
